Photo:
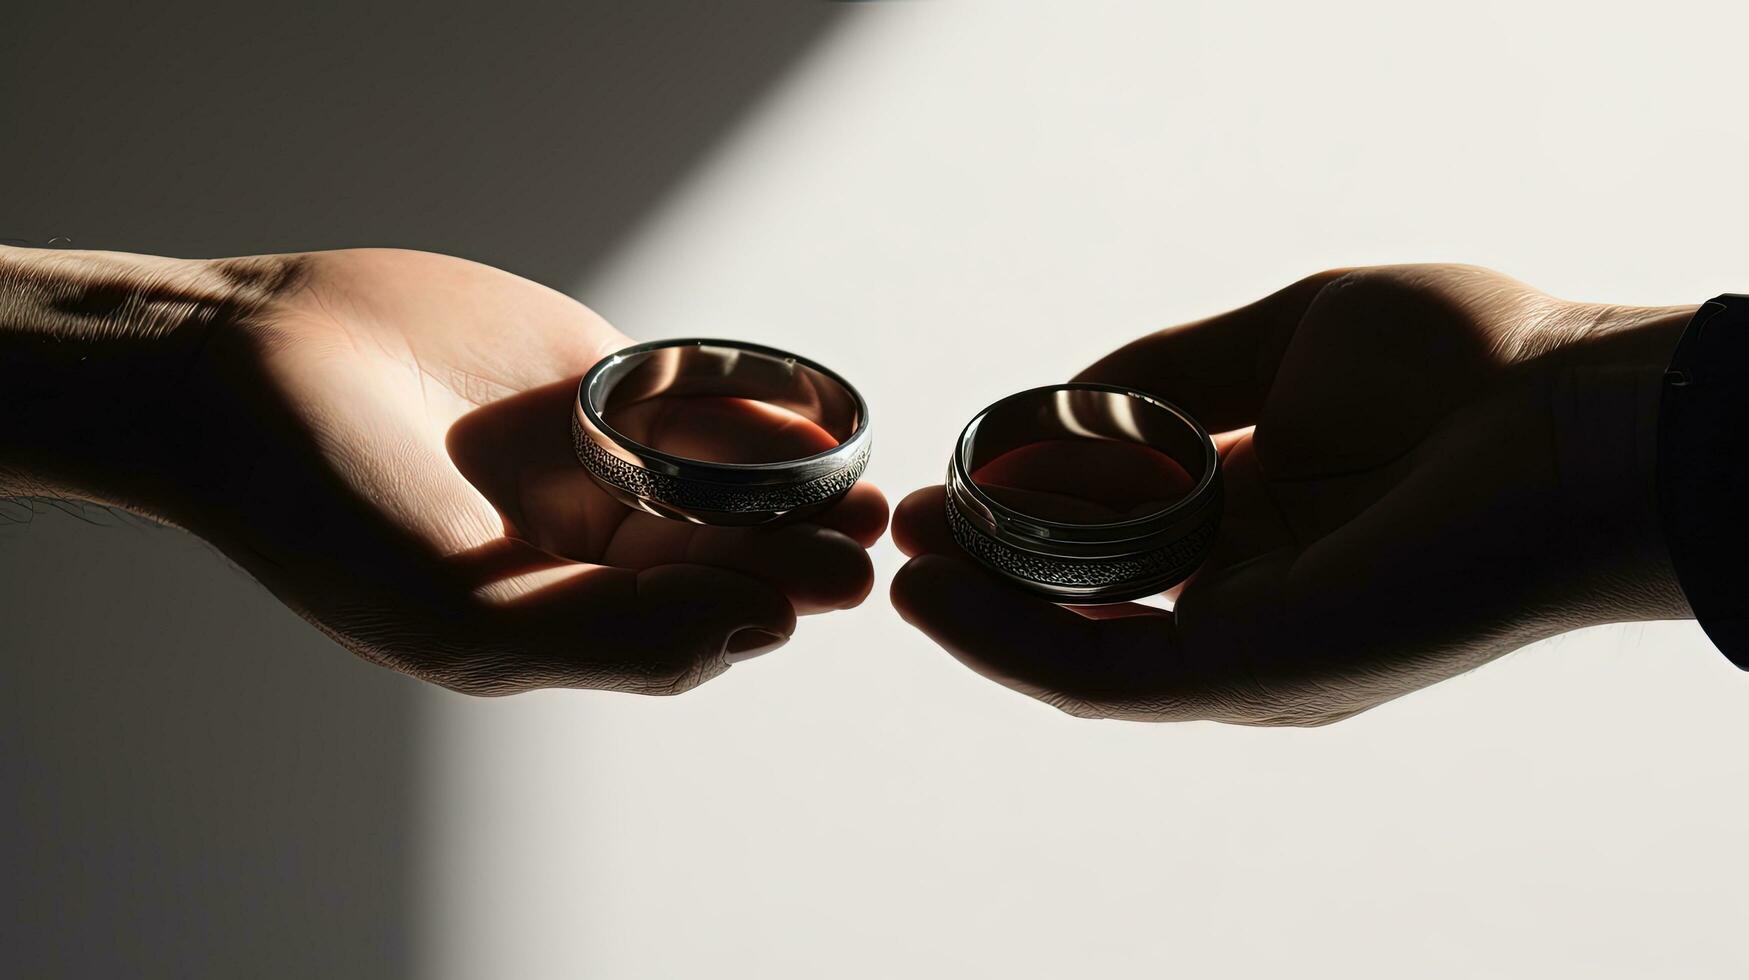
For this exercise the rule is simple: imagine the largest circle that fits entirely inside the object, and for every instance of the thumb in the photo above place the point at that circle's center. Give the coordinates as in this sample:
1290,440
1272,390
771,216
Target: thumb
1125,663
714,616
662,630
1220,369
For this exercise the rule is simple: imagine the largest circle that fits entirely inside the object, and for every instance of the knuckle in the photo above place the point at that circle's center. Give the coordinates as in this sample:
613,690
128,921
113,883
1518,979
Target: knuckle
494,674
1311,708
671,686
481,684
1426,287
1074,707
1366,285
448,665
1299,719
666,676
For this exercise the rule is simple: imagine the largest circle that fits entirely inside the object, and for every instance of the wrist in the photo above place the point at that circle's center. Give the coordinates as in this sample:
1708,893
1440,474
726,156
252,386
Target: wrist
97,356
1605,400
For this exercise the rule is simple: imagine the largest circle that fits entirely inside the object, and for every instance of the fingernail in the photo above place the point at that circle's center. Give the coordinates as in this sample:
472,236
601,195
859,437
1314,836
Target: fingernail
751,642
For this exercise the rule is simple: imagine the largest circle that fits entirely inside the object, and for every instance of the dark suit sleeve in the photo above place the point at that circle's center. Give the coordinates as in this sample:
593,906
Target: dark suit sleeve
1703,470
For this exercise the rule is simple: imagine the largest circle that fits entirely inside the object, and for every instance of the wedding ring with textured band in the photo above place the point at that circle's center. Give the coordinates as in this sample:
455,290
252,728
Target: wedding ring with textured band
1086,564
705,492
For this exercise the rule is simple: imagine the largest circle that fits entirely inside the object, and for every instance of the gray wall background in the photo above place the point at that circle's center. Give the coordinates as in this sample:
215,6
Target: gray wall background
196,783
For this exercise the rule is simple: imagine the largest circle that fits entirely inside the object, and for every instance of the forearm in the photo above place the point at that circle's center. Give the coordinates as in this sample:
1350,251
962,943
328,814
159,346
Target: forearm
96,350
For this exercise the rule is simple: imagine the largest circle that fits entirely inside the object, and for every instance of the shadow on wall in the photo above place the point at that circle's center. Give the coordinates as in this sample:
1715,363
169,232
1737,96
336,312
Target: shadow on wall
197,782
531,136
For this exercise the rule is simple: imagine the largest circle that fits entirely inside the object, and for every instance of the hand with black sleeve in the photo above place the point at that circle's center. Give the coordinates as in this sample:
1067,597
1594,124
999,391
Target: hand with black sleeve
1426,467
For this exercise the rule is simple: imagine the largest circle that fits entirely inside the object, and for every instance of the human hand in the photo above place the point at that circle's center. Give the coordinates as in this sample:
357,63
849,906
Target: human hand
1426,467
382,439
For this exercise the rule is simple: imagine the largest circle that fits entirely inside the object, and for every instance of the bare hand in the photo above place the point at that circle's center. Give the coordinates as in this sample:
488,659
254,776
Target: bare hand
382,438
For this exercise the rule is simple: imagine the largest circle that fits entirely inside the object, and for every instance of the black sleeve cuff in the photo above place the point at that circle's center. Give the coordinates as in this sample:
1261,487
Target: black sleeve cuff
1703,469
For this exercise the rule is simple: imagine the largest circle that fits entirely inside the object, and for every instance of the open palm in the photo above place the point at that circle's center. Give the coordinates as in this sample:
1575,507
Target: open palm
1426,467
385,445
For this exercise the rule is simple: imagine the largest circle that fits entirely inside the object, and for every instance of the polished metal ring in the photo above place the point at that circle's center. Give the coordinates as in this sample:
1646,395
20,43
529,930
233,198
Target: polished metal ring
704,492
1086,564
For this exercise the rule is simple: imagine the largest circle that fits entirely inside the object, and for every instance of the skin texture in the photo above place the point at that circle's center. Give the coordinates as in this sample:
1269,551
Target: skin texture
1427,467
382,439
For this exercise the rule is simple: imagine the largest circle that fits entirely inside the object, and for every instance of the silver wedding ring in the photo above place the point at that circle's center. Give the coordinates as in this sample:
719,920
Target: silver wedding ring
722,493
1086,563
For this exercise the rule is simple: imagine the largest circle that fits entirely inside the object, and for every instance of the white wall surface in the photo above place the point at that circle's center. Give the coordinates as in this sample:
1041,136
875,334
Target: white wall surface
952,199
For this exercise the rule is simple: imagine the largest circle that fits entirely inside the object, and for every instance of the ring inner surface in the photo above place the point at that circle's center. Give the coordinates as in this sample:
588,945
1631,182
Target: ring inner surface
724,404
1083,456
